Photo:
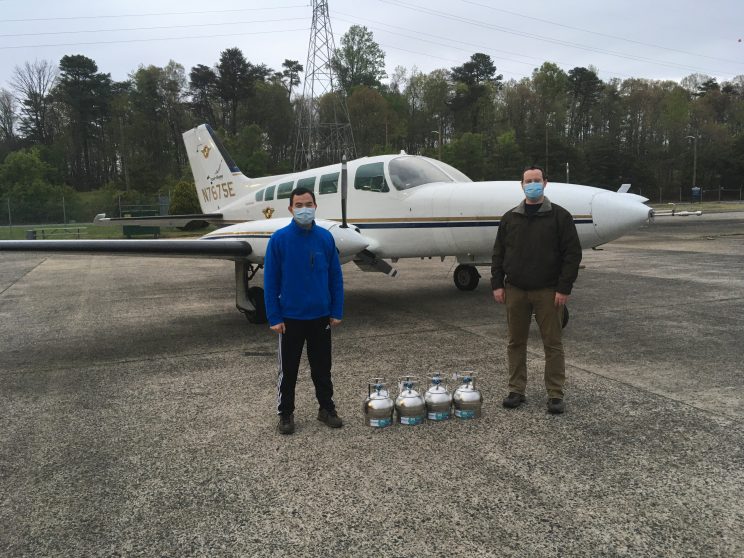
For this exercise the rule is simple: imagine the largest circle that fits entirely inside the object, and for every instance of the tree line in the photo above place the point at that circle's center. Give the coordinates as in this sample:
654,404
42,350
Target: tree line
69,127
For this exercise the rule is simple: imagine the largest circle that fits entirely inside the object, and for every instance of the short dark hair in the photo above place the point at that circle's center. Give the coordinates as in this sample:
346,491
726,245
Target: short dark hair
300,192
534,167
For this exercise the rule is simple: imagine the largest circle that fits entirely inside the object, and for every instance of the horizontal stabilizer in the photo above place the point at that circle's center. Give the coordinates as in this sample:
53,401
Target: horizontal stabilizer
623,189
158,220
219,249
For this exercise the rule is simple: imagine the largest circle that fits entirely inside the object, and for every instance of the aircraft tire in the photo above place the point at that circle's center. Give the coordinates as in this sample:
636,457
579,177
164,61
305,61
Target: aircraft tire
564,321
257,316
466,277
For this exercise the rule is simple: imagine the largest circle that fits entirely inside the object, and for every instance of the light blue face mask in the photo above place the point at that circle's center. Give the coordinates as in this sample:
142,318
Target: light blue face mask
533,190
304,215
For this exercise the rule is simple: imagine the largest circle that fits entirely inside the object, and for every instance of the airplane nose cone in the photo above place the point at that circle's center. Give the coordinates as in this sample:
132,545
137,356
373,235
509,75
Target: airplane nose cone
348,241
615,215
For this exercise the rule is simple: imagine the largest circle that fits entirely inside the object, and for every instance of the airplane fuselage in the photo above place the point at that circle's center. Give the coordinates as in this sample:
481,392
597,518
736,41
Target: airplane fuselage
436,219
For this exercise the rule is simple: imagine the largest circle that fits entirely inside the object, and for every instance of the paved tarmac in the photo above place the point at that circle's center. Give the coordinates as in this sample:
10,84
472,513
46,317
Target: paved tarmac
137,413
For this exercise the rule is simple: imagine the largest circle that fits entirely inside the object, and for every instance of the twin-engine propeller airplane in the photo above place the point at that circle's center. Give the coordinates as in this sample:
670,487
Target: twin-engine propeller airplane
401,206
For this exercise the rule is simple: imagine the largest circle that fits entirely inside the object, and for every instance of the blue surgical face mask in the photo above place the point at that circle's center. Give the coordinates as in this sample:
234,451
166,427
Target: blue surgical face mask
304,215
533,190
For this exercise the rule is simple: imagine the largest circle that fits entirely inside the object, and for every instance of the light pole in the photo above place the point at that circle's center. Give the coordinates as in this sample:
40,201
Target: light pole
439,141
694,159
548,122
567,180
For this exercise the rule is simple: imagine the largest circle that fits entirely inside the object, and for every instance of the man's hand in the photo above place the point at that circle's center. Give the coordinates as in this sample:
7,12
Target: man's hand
278,328
334,322
561,299
499,295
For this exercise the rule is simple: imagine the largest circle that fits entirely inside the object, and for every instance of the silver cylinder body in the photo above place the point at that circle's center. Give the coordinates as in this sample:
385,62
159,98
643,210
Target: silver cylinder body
409,405
438,400
378,407
467,400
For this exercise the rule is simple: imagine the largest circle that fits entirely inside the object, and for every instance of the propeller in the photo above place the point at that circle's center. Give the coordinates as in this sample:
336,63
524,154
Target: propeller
344,190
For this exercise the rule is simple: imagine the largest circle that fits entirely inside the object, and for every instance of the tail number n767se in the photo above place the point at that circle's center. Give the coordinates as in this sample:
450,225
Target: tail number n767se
218,191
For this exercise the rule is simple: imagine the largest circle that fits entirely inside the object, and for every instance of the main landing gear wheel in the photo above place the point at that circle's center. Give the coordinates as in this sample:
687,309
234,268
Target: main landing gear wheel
466,277
256,298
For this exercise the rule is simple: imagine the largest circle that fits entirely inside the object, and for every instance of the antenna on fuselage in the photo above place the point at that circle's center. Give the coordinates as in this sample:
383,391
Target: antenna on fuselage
344,190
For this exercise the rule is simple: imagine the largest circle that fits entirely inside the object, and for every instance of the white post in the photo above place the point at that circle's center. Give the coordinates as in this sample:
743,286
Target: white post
10,220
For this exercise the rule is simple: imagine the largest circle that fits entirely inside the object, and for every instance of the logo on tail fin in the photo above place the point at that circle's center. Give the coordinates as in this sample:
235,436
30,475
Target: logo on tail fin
205,151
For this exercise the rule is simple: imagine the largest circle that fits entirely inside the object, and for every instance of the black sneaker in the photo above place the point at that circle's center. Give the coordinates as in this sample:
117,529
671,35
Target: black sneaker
331,418
286,424
556,406
513,400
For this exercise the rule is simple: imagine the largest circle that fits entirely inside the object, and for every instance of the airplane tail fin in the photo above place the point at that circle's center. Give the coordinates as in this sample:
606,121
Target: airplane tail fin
218,179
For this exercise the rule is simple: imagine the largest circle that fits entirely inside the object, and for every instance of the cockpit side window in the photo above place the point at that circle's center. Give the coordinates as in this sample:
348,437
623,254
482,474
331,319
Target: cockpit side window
284,190
308,183
371,177
408,172
329,183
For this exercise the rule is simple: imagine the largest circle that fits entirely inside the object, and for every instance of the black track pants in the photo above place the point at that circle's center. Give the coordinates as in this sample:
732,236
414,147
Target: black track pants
317,334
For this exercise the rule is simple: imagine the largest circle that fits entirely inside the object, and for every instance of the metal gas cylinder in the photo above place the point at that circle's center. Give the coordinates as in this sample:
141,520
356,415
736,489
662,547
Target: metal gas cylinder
409,405
467,399
378,407
438,400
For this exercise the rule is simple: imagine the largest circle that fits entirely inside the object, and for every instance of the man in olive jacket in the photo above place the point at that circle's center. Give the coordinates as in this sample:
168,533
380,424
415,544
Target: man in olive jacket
535,262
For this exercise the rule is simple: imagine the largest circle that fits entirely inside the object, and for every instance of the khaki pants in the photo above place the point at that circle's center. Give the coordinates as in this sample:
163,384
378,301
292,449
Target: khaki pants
519,308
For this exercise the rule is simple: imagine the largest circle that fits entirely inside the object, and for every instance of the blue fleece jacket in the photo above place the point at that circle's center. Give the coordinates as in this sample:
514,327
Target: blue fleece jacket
302,275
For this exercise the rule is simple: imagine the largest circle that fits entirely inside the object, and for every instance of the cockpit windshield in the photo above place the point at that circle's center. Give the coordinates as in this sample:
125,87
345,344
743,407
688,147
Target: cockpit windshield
453,172
409,171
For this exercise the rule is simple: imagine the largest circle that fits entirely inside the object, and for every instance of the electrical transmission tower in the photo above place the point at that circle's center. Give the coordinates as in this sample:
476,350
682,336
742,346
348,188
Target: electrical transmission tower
323,126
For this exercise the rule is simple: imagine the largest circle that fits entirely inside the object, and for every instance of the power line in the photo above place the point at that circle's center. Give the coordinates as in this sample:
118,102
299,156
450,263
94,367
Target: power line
438,38
617,37
523,34
155,27
157,39
153,14
428,54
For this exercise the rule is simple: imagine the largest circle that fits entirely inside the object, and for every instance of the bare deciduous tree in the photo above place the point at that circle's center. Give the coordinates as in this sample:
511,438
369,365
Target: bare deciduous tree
33,83
8,115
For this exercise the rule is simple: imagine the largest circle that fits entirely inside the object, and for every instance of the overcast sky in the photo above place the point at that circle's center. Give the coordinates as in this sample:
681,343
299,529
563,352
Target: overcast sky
656,39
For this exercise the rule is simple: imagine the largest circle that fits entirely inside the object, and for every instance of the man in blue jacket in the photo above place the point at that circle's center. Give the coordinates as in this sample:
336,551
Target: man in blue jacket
304,294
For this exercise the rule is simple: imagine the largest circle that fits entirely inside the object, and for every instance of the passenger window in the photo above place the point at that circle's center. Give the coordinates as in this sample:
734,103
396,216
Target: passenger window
284,190
308,183
269,193
329,183
371,177
259,195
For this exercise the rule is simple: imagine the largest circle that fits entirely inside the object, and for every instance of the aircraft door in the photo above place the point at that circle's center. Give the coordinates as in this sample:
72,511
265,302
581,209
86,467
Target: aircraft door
441,209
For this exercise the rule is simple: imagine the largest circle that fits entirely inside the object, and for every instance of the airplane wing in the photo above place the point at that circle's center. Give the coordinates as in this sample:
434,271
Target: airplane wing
158,220
217,249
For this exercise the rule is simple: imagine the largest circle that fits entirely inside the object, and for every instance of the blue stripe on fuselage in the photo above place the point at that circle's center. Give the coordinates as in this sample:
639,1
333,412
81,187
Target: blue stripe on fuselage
443,224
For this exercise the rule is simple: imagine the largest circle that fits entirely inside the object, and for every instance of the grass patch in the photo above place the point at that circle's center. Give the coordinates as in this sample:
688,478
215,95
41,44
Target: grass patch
89,231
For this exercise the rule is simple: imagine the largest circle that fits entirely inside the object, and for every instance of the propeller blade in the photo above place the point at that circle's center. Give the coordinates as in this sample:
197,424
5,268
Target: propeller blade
367,261
344,190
